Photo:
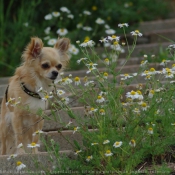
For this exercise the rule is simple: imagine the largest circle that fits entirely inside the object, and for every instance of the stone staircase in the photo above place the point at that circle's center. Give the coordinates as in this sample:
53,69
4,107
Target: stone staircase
150,43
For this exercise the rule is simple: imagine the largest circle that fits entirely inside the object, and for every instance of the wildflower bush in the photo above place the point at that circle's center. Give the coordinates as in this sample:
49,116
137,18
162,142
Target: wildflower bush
21,20
130,125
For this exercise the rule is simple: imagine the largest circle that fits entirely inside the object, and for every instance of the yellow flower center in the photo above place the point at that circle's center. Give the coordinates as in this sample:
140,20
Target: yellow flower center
133,92
102,110
144,104
94,8
173,65
139,92
150,129
92,109
33,144
132,141
148,76
137,31
106,60
77,79
105,74
99,97
115,43
85,41
126,75
152,91
108,152
152,69
163,61
113,36
117,143
19,163
62,30
46,96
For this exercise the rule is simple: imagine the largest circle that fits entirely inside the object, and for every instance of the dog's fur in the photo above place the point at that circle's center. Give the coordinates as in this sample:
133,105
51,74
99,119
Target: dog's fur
40,66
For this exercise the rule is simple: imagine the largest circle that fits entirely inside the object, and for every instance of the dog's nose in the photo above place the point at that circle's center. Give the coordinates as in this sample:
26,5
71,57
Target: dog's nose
55,73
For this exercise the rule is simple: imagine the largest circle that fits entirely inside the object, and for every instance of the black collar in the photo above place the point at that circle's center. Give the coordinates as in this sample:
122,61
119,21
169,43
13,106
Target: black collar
27,91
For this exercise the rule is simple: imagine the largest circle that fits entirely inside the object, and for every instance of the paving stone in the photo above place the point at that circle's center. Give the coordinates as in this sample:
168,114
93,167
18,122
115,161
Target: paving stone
35,163
157,25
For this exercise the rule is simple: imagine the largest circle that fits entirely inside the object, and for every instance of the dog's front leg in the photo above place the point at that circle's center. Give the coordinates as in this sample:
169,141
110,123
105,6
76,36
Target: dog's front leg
18,130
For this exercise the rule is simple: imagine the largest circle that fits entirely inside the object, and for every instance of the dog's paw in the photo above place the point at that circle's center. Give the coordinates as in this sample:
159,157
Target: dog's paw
20,151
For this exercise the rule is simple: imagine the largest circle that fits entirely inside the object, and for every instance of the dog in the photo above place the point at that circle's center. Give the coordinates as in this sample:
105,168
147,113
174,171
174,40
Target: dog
40,67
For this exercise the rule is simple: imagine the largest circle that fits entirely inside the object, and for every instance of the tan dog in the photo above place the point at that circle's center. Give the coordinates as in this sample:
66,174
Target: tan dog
41,65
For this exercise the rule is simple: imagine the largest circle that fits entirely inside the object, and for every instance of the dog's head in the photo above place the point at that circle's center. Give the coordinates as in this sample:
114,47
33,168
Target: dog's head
46,62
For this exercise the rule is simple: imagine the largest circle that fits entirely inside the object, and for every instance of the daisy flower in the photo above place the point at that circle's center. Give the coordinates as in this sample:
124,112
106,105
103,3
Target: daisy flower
91,64
20,166
62,32
77,81
87,28
102,112
76,129
87,12
164,62
151,93
65,100
87,43
20,145
105,75
104,40
125,76
65,9
70,122
91,69
56,14
33,145
48,17
143,63
92,110
10,101
106,61
110,31
100,21
52,42
92,144
37,132
89,158
169,75
133,95
80,60
60,92
100,99
132,143
77,152
12,156
66,81
47,30
113,38
108,153
106,142
144,106
150,130
70,16
89,83
117,144
46,97
136,110
136,33
123,24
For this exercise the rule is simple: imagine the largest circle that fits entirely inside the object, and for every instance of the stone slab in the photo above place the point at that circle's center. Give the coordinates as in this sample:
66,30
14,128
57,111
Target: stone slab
44,160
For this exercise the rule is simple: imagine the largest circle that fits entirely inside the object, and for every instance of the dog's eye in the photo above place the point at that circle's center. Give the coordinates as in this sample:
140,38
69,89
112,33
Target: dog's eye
45,65
59,66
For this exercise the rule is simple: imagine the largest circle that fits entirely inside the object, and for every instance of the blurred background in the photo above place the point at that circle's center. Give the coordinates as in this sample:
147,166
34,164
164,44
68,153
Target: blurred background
75,19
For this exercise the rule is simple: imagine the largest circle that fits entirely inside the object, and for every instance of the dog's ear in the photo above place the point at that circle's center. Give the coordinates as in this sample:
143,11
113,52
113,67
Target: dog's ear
62,44
33,49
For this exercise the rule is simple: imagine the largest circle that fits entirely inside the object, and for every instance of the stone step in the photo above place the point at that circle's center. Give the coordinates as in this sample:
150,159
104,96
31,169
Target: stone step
157,25
35,163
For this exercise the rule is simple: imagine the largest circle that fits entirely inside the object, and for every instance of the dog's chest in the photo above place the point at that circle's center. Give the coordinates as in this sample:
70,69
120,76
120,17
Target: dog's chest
35,104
